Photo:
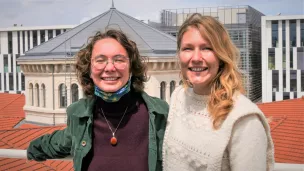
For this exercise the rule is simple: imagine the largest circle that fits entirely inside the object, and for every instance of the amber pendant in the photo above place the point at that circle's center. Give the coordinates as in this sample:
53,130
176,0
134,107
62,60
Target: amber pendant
113,141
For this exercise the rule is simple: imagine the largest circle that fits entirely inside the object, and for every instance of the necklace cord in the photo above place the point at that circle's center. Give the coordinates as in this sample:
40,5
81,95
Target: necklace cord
113,133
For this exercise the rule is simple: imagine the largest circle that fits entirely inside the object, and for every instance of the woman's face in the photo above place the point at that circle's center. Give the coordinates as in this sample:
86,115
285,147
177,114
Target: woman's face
198,61
109,65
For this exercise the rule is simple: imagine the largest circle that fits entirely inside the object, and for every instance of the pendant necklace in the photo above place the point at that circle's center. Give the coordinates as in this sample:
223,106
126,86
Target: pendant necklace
113,139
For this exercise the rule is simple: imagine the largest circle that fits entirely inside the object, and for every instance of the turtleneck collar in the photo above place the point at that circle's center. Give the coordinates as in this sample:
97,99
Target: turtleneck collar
116,109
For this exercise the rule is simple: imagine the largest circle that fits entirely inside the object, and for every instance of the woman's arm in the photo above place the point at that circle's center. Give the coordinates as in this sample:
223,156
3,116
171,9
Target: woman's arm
248,145
50,146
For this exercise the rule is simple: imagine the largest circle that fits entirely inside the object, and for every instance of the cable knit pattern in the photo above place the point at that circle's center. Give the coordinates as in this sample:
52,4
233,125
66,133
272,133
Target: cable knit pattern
191,144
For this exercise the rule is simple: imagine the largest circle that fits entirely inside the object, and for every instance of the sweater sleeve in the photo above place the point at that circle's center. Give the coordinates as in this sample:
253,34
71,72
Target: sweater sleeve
248,145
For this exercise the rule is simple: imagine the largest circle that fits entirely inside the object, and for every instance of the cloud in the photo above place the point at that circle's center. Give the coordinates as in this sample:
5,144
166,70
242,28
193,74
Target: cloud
62,12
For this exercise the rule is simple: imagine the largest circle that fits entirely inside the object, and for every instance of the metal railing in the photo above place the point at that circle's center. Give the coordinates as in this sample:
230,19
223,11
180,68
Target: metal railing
21,154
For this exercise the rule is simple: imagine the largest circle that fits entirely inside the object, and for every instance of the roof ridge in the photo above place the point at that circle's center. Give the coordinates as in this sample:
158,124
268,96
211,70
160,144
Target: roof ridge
12,101
69,38
133,29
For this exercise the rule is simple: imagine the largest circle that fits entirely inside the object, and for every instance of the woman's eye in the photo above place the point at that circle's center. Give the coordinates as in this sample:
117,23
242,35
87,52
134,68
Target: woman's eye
206,48
185,49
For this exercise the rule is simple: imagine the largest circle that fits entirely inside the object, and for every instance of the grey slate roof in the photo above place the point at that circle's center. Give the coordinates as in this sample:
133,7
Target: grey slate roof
150,41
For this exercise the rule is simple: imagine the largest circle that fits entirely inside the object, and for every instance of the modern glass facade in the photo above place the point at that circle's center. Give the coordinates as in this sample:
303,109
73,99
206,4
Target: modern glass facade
244,26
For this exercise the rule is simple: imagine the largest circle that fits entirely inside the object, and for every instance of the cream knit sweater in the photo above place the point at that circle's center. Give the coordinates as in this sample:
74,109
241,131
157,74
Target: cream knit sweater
243,143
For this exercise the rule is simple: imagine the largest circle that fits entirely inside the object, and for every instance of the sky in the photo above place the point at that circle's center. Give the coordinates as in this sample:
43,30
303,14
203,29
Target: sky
74,12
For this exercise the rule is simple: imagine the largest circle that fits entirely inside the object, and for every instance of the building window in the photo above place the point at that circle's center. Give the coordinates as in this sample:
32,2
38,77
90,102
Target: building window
275,80
0,81
50,34
57,32
18,38
35,41
300,55
17,81
273,96
302,80
275,34
37,95
4,80
12,63
284,80
31,94
271,59
10,42
42,36
163,90
11,82
5,61
74,93
284,58
28,40
284,33
286,95
293,80
22,82
43,95
293,33
62,95
23,40
291,57
302,33
172,87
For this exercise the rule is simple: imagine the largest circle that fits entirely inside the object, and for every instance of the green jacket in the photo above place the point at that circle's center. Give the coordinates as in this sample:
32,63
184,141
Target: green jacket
76,138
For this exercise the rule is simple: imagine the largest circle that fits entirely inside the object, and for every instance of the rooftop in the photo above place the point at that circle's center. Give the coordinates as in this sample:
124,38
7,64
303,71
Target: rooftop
150,41
287,129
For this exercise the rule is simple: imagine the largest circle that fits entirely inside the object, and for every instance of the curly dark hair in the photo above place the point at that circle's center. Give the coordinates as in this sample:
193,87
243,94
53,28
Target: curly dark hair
138,67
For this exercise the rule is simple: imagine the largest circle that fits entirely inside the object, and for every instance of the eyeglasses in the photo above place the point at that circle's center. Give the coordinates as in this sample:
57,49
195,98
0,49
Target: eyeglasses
119,62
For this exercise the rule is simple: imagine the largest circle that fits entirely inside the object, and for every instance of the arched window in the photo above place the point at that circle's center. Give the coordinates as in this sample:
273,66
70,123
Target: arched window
31,95
74,93
37,94
172,87
163,90
62,95
43,95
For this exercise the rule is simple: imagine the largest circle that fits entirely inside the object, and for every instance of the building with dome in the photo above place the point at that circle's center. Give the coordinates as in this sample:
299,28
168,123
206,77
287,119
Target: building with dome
50,81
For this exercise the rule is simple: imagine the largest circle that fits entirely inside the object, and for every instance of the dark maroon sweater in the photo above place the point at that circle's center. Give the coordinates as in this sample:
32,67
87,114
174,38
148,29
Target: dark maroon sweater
131,151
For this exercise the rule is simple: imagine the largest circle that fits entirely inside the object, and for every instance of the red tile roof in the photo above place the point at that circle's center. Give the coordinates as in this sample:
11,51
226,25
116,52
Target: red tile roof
20,139
287,129
9,122
12,105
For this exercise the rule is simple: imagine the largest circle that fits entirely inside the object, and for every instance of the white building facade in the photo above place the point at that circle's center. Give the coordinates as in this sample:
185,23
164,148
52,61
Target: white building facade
282,57
14,42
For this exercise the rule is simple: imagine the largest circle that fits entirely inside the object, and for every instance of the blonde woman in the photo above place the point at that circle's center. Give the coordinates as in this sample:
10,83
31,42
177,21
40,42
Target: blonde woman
212,126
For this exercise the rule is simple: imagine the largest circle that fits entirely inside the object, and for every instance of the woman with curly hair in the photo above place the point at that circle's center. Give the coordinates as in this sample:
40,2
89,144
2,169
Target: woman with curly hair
117,126
212,126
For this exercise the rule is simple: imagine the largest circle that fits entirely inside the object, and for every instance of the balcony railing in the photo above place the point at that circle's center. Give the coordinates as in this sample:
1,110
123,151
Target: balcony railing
21,154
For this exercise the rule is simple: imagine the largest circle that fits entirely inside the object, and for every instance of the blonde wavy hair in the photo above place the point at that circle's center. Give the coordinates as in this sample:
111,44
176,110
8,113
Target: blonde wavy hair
229,79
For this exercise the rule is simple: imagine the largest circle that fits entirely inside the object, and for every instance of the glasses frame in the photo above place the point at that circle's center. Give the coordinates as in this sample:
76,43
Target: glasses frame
94,63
